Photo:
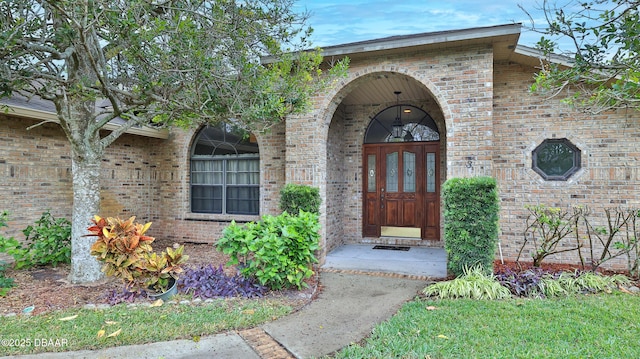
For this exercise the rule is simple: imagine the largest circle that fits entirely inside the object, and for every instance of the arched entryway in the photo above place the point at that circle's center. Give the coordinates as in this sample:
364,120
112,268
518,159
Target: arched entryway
401,175
366,106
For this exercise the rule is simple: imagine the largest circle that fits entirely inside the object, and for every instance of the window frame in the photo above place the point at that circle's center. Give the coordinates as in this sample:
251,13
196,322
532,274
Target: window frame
577,159
225,171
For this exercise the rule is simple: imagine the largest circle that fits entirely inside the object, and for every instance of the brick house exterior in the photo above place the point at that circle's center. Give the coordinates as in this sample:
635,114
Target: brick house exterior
473,84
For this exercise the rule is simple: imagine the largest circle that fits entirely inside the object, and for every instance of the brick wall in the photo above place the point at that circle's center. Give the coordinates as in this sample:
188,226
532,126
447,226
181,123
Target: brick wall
610,157
175,220
35,174
143,177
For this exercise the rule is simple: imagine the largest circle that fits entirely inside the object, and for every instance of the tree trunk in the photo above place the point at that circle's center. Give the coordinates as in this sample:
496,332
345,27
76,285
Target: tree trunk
86,203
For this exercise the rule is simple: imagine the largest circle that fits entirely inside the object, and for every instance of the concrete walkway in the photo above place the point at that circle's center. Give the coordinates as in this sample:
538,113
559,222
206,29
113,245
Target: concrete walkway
346,311
349,304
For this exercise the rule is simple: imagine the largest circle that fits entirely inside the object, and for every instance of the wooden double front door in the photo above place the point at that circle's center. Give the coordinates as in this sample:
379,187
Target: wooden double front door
401,190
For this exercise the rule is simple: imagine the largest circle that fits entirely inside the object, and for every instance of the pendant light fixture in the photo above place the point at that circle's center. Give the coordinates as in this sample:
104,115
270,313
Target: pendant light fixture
397,126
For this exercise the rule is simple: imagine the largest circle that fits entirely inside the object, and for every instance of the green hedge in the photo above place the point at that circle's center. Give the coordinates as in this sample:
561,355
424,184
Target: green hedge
470,223
297,197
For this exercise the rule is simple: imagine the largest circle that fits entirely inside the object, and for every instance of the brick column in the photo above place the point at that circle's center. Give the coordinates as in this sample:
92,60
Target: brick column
469,94
306,160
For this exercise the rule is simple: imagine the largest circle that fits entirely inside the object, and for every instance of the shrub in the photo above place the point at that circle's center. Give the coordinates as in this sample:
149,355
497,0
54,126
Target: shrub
48,242
5,283
546,228
618,237
532,283
590,282
523,283
474,283
470,223
295,197
550,230
538,283
278,251
127,254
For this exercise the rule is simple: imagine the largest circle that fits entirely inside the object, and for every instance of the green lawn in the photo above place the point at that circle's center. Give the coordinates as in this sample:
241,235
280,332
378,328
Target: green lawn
594,326
22,335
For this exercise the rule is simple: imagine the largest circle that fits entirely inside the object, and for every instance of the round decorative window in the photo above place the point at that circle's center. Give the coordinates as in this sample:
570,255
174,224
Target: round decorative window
556,159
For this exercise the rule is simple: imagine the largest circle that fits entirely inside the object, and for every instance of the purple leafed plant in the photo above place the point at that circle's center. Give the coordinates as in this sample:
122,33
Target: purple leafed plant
209,282
523,283
114,296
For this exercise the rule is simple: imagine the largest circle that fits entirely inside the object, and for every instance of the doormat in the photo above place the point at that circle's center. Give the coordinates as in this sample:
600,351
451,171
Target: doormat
392,248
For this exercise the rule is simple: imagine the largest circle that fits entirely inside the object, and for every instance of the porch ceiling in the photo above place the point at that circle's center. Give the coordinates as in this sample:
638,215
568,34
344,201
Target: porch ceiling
380,89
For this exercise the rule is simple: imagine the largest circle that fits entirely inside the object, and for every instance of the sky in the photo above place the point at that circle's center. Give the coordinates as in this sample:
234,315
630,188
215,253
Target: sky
338,22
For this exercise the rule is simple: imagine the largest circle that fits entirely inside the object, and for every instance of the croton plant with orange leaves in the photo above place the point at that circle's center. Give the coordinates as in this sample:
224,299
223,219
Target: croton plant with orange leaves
127,254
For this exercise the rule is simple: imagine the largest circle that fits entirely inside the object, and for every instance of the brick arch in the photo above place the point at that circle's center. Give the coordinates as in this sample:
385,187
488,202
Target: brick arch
342,215
329,103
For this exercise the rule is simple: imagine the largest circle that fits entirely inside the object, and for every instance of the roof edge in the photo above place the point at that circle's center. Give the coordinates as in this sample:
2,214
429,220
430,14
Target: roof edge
539,54
52,117
420,39
428,38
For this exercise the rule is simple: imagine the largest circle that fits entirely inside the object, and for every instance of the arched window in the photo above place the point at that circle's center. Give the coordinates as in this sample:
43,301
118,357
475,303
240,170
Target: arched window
402,123
225,171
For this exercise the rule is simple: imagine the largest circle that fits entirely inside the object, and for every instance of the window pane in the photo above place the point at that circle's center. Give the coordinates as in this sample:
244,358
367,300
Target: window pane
392,172
409,168
206,172
243,200
423,133
224,139
206,199
371,173
555,159
431,172
243,172
418,125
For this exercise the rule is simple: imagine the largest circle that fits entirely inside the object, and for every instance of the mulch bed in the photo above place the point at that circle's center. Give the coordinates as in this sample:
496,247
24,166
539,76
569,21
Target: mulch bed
47,288
498,266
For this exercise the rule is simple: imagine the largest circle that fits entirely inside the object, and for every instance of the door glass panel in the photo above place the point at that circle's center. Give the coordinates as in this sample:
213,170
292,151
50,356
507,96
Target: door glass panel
431,172
409,167
392,172
371,173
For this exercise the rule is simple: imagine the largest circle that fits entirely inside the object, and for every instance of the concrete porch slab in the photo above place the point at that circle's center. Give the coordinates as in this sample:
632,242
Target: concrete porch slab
417,261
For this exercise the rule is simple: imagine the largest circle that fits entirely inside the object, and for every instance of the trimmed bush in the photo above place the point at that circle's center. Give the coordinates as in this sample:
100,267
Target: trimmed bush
470,223
278,251
296,197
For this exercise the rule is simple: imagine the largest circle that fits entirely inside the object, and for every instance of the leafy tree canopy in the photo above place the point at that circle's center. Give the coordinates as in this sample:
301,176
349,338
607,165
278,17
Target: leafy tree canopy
605,45
166,61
